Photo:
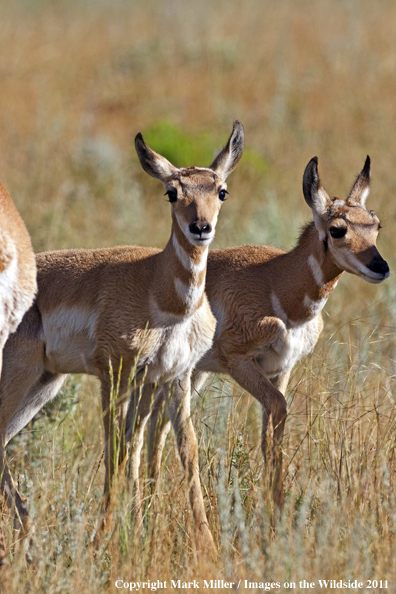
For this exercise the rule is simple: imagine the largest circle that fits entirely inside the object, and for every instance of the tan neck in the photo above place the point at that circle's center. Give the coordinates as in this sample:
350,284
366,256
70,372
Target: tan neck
181,275
314,277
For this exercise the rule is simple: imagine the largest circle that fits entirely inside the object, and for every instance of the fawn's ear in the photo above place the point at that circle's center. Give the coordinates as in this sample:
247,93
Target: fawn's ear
153,163
361,187
229,157
316,196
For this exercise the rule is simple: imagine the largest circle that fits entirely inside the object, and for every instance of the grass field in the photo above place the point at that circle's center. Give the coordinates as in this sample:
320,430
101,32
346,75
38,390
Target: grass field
78,80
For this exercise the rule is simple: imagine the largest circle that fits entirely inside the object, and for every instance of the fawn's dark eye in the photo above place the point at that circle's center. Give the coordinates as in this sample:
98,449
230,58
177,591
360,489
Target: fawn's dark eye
222,195
338,232
172,195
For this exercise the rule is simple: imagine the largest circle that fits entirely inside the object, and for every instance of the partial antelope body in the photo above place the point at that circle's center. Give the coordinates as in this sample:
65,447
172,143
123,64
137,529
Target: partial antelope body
131,307
17,289
268,303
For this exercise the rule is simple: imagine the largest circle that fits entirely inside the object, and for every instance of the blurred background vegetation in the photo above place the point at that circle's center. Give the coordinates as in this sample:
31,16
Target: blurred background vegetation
79,78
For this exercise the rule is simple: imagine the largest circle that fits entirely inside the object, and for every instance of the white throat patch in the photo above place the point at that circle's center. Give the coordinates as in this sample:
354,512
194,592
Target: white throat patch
185,260
278,309
316,270
189,294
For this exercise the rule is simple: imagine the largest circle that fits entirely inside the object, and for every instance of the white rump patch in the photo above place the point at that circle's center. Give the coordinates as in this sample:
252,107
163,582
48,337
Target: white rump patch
11,308
9,276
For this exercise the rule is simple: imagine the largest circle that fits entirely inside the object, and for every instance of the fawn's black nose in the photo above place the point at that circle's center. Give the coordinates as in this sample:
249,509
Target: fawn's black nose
199,227
378,265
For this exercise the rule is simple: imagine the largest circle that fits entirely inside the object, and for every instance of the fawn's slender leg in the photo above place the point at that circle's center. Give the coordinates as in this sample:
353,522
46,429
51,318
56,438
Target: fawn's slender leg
160,425
140,406
177,402
114,408
249,375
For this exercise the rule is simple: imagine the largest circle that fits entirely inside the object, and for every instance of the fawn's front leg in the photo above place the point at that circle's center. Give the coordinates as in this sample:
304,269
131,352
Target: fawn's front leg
177,403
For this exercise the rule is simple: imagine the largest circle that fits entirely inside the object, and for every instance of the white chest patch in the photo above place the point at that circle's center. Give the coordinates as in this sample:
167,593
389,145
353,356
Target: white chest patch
314,307
70,340
294,340
181,344
8,280
290,346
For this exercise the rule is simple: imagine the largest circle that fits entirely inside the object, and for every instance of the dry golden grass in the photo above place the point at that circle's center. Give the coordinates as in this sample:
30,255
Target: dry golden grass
78,81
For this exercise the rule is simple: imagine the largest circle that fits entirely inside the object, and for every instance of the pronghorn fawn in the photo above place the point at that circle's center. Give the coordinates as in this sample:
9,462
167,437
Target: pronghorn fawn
17,290
268,305
106,312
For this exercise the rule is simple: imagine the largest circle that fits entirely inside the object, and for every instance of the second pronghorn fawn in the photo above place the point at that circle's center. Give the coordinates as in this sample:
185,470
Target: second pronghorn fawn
268,304
107,311
17,289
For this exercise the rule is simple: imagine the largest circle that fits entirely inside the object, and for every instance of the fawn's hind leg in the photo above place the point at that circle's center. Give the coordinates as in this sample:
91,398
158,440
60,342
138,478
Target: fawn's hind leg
25,387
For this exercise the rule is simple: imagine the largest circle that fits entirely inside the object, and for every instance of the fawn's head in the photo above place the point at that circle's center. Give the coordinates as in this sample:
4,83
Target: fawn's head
348,230
196,194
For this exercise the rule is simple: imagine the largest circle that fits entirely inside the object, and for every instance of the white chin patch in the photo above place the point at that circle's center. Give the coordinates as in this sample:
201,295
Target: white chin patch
203,240
370,276
353,265
373,277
